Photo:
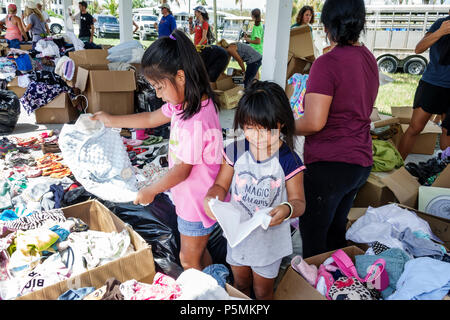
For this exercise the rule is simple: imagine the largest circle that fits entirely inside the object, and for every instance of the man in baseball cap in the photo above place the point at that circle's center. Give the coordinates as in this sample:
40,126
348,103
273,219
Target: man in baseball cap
167,23
165,5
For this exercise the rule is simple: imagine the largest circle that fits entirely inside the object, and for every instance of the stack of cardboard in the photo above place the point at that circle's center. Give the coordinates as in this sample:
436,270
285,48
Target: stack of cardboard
106,90
301,51
228,92
300,55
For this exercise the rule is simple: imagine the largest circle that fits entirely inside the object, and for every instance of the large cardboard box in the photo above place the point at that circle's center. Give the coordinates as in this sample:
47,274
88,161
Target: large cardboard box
87,58
13,86
297,65
438,225
228,92
426,141
294,287
394,186
136,265
106,90
301,43
59,110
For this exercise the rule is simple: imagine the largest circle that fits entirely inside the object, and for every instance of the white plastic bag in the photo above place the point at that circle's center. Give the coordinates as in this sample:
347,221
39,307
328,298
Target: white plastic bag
98,159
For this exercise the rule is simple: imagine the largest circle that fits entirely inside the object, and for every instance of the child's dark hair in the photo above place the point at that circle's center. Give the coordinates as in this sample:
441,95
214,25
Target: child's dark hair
265,104
257,14
166,56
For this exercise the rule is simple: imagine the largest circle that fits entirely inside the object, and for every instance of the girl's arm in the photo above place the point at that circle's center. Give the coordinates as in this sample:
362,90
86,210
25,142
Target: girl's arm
220,187
138,120
177,174
46,28
296,197
317,107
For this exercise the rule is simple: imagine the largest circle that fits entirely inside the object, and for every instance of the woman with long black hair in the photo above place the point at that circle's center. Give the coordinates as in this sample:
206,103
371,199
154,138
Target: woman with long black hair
340,94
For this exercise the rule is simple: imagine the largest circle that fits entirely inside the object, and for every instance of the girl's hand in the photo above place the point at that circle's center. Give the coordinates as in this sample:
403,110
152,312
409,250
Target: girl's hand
207,208
103,117
145,196
278,214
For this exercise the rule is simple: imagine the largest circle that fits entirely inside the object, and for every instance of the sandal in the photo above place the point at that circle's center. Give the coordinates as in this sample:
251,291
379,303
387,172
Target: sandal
59,175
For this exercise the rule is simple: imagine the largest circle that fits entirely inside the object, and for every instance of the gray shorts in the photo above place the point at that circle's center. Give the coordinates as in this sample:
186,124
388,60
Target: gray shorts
268,272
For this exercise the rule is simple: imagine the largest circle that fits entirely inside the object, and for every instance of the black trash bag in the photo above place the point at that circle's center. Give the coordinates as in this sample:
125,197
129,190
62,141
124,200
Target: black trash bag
9,111
145,96
157,225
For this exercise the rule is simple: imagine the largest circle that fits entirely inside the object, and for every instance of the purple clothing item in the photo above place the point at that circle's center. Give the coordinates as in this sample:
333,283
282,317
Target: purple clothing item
350,75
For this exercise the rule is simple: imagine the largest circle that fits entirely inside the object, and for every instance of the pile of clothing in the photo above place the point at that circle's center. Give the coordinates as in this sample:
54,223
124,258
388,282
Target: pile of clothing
428,171
44,86
190,285
43,248
404,261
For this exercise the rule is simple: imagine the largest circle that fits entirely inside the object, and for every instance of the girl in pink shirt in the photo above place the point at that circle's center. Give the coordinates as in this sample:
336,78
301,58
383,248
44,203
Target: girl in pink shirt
176,71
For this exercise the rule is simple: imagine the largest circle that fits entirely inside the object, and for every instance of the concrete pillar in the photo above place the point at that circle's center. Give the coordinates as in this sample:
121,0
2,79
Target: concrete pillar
68,24
276,41
125,20
19,6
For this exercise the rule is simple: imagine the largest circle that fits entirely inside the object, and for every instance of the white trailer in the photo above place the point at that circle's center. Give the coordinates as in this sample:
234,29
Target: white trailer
392,33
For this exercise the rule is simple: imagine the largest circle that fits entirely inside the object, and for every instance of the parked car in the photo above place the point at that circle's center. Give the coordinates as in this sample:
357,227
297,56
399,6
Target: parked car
56,25
106,26
146,24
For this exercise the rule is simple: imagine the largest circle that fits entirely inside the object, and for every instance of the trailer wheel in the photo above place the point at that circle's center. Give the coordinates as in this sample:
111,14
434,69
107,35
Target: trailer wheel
388,64
414,66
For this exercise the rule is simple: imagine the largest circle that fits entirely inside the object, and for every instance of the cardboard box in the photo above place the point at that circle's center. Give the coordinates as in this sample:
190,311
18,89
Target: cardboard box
227,91
381,120
294,287
26,47
438,225
87,58
297,65
13,86
301,43
136,265
109,91
382,188
426,141
59,110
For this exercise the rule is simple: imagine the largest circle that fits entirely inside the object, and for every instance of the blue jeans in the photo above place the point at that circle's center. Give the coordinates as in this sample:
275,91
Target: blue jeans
251,71
194,229
14,43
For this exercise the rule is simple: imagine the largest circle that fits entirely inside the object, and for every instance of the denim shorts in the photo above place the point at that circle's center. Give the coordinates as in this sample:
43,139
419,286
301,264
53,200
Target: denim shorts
194,229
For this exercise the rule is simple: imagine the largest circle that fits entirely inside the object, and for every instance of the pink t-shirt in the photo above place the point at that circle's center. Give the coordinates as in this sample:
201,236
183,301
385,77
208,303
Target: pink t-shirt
196,141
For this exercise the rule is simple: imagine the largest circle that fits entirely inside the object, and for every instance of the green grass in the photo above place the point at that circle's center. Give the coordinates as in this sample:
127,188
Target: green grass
400,92
116,41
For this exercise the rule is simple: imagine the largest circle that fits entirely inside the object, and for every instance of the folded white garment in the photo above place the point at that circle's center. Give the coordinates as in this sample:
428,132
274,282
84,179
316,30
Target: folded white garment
229,219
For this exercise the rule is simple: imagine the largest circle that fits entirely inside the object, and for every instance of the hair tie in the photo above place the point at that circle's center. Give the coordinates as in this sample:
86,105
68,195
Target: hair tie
172,37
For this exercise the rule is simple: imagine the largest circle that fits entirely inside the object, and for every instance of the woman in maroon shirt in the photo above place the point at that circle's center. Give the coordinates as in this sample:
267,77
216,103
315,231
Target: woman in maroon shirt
340,94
